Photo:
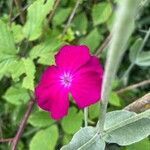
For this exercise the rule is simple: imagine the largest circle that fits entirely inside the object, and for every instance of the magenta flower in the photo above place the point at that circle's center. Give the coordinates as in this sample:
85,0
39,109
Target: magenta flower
77,73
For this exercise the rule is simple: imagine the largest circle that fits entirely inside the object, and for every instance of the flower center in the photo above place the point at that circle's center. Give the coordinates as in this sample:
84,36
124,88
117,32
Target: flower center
66,79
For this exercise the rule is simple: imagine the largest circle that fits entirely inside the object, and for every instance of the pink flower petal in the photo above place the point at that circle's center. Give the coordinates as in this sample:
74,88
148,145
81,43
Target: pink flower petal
72,57
51,95
51,75
86,86
92,65
53,99
60,104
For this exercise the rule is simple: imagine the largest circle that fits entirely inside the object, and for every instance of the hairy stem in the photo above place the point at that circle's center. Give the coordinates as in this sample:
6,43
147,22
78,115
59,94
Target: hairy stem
120,35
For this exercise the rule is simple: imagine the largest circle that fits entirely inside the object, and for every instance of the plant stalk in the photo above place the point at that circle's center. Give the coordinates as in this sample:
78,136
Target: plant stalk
122,30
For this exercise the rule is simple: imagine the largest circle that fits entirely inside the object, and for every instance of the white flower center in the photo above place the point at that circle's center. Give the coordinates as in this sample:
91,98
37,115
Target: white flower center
66,79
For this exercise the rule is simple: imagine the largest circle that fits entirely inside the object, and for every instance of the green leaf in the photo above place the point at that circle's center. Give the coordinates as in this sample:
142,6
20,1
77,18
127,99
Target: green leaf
7,50
7,45
122,127
45,51
37,13
17,69
110,21
134,50
40,119
69,36
94,111
6,64
16,95
81,140
101,12
28,81
120,115
67,138
140,145
114,99
47,59
18,114
45,139
17,31
93,39
73,121
61,15
80,24
143,59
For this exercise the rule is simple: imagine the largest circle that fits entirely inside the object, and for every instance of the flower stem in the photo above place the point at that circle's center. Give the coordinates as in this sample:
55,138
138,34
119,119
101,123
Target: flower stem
86,116
120,35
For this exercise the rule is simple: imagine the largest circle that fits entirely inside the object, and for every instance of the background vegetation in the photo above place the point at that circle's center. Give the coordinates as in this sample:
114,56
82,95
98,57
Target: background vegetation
31,32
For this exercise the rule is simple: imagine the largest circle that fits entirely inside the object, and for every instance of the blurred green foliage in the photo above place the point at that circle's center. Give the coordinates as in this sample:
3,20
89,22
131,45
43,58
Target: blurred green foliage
26,49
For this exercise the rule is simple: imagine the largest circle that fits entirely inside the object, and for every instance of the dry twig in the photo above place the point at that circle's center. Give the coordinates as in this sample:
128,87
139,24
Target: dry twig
6,140
22,124
57,2
71,17
21,12
131,87
104,45
139,105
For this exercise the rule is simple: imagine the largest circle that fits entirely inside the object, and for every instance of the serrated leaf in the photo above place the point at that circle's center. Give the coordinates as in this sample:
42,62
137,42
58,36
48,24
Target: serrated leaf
73,121
40,119
82,137
17,31
16,95
47,59
134,50
101,12
37,13
45,51
17,69
28,81
143,59
125,128
8,51
93,39
7,45
6,64
45,139
61,15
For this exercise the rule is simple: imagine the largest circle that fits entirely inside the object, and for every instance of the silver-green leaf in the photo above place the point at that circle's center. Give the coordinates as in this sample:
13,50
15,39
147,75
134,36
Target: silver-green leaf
85,139
125,128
